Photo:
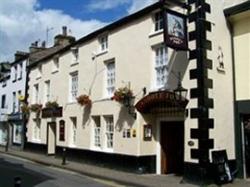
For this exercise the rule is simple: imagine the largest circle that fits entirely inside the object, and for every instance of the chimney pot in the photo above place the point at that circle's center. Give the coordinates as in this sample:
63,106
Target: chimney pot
64,31
43,44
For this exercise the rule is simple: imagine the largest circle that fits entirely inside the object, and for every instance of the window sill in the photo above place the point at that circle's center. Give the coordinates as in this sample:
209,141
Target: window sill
108,150
54,71
36,141
101,53
14,80
71,102
72,146
74,63
20,78
39,77
95,148
155,33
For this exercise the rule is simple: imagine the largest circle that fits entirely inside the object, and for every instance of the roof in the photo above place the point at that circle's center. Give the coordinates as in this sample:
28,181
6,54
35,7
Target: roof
4,67
110,27
37,56
4,70
242,7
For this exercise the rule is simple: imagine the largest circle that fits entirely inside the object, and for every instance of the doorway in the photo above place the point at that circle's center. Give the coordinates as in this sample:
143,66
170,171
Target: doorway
51,138
246,145
172,147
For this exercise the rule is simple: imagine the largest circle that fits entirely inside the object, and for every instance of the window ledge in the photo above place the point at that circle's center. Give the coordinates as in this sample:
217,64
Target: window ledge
108,150
74,63
54,71
19,78
71,102
101,53
72,146
95,148
37,141
155,33
38,77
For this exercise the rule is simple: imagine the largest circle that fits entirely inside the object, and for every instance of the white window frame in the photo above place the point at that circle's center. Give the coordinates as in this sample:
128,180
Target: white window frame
73,131
55,65
37,130
15,73
14,104
158,22
160,66
73,86
109,132
20,70
17,138
110,78
39,71
3,101
75,55
35,93
97,132
47,91
103,43
19,93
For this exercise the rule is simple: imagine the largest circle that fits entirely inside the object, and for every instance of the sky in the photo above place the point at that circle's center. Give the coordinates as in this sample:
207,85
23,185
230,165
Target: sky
23,22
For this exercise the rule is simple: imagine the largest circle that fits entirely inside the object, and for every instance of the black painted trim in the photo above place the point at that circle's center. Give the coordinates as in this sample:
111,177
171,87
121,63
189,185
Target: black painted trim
237,9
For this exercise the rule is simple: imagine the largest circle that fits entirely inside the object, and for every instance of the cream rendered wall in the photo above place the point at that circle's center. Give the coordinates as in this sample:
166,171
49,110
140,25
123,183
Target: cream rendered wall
133,64
132,48
241,39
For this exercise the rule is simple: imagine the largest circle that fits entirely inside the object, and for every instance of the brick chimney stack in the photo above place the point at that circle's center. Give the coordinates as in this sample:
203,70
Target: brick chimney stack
63,39
20,55
64,31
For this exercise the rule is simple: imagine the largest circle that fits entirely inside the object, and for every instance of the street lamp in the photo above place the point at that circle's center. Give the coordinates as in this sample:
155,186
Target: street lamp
180,92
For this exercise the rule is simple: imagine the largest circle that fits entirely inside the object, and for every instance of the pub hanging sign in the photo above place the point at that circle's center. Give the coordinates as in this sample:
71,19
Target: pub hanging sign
175,30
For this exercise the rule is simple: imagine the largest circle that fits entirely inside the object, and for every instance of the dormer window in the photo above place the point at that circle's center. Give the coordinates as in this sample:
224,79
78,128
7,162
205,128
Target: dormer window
55,66
103,42
39,72
20,71
158,20
15,73
75,53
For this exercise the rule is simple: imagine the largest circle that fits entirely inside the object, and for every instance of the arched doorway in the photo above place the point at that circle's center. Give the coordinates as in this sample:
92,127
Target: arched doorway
169,115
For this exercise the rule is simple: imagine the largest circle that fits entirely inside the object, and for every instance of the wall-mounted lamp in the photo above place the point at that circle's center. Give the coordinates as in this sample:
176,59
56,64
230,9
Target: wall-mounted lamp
180,92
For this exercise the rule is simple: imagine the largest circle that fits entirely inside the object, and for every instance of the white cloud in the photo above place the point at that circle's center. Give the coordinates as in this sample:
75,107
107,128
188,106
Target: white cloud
21,23
139,4
105,4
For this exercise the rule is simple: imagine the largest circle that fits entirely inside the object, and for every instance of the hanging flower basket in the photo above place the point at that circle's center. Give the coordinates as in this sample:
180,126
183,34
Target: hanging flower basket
37,108
25,109
84,100
51,105
121,94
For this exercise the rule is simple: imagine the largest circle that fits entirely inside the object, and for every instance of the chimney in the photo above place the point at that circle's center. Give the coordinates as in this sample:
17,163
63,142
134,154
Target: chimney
19,55
34,47
63,39
43,44
64,31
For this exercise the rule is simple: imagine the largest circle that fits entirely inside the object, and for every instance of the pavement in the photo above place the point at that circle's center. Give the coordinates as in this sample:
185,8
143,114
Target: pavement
125,178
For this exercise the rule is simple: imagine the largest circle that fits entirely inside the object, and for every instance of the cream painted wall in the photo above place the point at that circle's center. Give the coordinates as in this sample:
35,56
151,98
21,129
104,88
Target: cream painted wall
132,48
241,39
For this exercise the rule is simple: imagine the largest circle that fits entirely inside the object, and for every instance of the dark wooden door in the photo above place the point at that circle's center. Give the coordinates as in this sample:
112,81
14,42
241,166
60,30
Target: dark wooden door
172,147
246,123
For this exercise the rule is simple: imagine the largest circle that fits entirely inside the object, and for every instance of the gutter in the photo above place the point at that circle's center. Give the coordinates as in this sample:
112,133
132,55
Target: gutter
245,6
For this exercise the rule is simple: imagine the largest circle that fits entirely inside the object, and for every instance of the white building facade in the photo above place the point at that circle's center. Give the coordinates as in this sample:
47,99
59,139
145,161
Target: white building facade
4,83
154,129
